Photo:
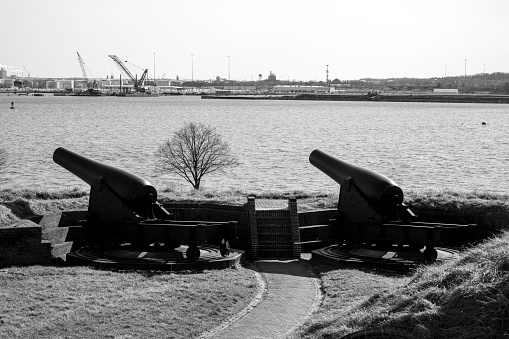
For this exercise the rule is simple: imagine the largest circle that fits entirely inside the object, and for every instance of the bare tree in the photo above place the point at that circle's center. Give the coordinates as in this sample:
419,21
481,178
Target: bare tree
193,151
3,158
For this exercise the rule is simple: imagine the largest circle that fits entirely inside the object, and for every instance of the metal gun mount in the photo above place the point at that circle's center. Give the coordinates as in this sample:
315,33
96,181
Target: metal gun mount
371,210
123,208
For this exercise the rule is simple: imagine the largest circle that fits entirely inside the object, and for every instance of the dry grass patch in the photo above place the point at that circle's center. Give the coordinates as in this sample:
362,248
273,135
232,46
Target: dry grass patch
24,203
78,302
464,298
459,201
343,290
306,200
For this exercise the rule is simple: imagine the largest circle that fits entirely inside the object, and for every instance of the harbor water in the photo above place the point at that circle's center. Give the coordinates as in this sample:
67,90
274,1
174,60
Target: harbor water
420,146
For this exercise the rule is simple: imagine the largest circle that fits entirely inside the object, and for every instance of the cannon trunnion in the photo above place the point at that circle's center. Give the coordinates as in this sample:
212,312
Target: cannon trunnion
371,211
123,208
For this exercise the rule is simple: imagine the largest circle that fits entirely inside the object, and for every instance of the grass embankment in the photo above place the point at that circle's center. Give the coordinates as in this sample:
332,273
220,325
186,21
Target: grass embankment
19,204
80,302
465,298
468,202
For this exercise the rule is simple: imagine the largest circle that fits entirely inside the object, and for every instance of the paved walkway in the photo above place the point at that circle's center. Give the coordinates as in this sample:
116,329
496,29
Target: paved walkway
290,293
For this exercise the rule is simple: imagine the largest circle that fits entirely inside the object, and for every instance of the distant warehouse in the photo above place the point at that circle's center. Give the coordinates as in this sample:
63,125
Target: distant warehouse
300,89
445,91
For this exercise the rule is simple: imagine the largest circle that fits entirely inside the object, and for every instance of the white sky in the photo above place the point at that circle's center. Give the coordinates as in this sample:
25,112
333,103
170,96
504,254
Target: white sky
294,39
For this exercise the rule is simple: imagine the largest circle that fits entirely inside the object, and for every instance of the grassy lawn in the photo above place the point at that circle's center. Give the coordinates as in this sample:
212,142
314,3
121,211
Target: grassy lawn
80,302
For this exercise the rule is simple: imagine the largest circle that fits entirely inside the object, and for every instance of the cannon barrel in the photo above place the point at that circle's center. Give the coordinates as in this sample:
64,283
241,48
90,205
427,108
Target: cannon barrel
132,190
380,190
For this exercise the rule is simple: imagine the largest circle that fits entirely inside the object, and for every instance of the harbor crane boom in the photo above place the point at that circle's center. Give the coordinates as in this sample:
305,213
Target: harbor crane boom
28,73
93,84
138,84
82,65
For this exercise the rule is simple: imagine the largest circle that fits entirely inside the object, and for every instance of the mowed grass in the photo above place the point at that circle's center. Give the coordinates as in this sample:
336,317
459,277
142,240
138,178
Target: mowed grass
80,302
464,298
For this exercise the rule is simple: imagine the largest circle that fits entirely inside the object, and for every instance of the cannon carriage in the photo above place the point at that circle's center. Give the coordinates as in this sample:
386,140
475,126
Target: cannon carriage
371,211
123,208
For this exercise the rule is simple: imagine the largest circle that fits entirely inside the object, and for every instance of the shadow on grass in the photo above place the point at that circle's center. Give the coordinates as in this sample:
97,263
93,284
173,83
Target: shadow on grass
316,267
321,267
20,208
297,268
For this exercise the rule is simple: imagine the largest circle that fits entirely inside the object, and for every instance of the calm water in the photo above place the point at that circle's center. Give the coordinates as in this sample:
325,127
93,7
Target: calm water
418,145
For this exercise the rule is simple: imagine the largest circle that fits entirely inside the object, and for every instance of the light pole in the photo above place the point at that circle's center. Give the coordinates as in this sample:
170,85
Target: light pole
445,76
228,70
465,74
327,78
155,72
192,70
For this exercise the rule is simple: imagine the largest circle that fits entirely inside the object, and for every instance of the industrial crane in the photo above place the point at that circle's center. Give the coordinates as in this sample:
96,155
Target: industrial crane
138,84
28,73
82,65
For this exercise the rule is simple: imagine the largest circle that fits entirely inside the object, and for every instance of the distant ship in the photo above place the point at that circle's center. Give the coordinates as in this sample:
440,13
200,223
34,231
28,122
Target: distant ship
91,92
137,94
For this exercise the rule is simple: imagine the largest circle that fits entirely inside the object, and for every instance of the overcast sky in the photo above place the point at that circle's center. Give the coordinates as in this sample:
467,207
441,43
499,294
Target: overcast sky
294,39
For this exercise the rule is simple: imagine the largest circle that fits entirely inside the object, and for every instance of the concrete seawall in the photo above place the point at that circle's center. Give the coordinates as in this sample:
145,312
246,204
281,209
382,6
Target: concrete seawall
449,98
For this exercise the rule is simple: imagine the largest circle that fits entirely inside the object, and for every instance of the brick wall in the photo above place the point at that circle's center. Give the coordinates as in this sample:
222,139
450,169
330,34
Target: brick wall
22,244
253,228
294,222
274,233
261,233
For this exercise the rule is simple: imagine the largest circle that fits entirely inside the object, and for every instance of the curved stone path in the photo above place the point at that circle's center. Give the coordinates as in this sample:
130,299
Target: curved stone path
289,294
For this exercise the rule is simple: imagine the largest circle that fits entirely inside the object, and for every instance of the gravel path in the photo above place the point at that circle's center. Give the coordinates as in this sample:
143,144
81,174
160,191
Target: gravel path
289,294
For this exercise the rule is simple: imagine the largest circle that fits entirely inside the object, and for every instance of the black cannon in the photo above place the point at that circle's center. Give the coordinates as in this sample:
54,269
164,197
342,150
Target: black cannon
123,208
371,210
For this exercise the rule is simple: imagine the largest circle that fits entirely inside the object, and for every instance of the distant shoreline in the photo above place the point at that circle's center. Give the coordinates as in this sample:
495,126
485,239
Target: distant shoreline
441,98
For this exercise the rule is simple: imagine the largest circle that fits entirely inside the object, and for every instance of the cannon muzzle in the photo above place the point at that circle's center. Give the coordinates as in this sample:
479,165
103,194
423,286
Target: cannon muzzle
132,190
382,192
